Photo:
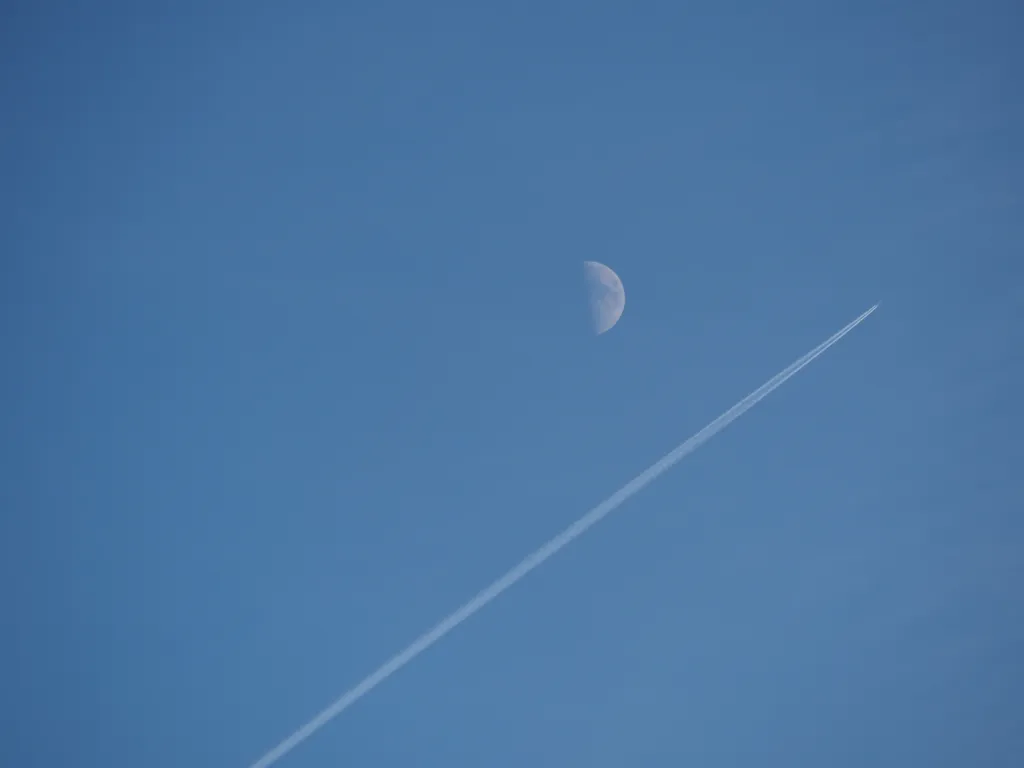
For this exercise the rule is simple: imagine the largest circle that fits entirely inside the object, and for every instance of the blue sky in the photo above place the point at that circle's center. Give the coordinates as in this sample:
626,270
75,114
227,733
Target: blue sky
298,360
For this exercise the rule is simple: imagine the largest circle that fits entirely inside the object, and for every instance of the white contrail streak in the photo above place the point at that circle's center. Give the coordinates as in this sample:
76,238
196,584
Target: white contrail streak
546,551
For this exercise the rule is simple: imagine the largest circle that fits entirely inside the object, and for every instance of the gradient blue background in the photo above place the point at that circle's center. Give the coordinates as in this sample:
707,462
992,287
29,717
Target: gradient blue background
296,361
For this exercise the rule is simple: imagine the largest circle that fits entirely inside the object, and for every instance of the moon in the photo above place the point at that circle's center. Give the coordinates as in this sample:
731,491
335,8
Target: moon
605,294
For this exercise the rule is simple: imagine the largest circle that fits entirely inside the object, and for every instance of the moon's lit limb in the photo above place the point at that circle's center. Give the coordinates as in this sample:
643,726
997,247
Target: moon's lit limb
606,295
575,530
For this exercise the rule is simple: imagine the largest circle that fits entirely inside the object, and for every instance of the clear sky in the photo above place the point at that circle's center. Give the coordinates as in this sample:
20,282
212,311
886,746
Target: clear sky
297,360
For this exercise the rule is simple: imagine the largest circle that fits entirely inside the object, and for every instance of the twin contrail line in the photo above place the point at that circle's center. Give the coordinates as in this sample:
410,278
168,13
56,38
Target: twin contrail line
557,543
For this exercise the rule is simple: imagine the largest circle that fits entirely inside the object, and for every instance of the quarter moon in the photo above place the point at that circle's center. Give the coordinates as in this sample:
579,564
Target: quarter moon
605,294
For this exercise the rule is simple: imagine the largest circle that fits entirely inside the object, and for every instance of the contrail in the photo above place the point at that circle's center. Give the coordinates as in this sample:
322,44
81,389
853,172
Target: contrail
546,551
